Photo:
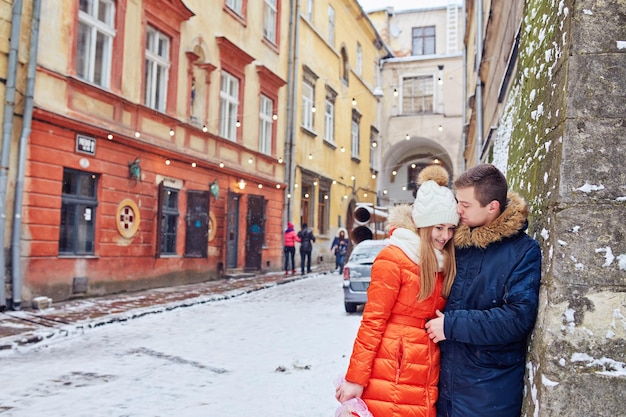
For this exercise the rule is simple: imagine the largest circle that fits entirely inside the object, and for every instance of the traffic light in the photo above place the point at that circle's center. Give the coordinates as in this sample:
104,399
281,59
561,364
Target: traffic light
369,222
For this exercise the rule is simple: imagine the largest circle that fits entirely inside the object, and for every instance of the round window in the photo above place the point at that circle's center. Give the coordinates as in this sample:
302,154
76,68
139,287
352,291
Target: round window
127,218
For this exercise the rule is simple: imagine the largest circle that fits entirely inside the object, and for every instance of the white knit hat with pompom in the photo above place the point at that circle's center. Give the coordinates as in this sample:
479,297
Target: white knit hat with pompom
434,202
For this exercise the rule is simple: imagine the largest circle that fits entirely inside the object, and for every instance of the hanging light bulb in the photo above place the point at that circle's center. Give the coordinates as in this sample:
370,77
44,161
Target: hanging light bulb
205,129
395,92
407,137
171,132
354,101
238,123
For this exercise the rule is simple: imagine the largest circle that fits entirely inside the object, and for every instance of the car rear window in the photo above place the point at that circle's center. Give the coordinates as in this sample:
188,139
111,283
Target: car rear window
366,253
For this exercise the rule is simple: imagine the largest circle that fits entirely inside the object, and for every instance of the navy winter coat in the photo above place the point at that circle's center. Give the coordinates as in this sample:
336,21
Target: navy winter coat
489,315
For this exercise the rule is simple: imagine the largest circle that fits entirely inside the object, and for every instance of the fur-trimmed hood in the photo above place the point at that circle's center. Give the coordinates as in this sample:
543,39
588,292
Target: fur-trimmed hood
511,221
400,216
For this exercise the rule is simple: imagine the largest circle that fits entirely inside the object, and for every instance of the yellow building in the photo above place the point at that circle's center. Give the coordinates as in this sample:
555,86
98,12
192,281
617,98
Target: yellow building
331,164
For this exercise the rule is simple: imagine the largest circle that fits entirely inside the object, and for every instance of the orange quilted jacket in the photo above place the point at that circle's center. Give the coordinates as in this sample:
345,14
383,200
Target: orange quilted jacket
392,356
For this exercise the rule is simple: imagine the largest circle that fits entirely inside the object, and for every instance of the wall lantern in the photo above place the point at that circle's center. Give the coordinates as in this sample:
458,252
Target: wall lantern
134,170
242,184
214,189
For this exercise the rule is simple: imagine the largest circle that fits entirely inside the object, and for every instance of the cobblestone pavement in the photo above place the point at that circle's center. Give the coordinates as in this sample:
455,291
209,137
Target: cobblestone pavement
31,327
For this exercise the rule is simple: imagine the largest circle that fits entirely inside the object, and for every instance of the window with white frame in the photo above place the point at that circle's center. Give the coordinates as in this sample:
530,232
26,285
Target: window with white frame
309,11
96,30
270,20
265,125
331,25
423,40
359,59
329,116
157,68
354,135
235,6
229,106
308,101
417,94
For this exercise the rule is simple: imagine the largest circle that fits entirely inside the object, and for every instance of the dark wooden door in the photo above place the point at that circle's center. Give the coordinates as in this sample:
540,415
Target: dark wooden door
255,232
197,220
232,231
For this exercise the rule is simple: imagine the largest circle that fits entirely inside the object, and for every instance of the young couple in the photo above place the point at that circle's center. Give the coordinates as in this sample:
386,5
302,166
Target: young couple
444,336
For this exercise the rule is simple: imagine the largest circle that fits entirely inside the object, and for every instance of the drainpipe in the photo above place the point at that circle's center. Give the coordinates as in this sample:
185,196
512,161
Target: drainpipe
7,134
464,108
16,271
479,87
292,76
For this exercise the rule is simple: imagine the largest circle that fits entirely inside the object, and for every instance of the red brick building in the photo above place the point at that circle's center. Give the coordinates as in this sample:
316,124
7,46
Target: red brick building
154,155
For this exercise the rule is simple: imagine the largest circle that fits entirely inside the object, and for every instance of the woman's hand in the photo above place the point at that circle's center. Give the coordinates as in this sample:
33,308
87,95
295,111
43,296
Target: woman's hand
347,391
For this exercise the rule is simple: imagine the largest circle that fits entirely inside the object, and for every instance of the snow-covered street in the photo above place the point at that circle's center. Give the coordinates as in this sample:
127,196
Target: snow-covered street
274,352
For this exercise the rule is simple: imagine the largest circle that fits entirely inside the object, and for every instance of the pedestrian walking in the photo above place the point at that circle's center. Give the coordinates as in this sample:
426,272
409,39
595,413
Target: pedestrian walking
483,331
289,248
306,247
394,366
340,248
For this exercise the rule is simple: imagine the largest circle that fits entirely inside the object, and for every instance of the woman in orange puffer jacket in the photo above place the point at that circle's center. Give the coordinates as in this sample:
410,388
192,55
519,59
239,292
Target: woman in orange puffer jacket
394,365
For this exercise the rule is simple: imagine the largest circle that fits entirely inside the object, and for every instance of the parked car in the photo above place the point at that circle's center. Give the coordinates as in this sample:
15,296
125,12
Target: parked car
357,272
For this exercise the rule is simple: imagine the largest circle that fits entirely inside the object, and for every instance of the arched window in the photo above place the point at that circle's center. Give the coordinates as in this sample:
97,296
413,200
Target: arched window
345,65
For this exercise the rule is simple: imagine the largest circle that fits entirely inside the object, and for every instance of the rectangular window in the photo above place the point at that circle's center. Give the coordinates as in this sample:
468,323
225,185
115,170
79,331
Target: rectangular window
417,94
322,211
354,135
309,11
359,60
157,69
308,94
305,205
269,20
424,40
229,106
331,26
265,125
96,30
169,220
235,6
329,116
373,147
78,213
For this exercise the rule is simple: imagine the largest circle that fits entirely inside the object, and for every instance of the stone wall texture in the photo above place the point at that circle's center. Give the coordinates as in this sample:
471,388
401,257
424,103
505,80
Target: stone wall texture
562,143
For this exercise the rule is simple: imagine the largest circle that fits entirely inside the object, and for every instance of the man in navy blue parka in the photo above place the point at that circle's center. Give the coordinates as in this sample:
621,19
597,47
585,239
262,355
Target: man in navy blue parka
492,306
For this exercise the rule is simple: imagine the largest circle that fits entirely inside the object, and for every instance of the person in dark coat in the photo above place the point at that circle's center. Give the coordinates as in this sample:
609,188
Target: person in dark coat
484,328
306,247
340,248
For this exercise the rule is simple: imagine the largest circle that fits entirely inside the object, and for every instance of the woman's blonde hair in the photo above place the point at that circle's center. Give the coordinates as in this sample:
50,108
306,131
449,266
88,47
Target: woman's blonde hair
429,265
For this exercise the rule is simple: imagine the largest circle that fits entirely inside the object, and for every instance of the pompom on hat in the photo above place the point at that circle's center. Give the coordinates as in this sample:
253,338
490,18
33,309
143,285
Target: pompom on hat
434,202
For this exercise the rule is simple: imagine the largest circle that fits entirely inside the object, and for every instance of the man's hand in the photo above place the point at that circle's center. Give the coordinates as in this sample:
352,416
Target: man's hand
434,328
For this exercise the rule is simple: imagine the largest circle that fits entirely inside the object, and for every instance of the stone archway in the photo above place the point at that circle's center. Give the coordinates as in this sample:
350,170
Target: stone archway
402,159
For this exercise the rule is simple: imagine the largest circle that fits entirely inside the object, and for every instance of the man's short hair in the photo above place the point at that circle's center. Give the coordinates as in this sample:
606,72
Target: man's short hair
488,182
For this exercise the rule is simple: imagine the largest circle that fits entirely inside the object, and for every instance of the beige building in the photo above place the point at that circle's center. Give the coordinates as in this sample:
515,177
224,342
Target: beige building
422,85
330,153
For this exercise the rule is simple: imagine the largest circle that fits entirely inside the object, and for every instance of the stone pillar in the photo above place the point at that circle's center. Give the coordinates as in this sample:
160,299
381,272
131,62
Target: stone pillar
562,140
